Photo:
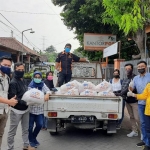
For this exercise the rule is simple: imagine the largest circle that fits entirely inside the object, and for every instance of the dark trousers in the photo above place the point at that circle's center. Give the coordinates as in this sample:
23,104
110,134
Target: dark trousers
38,120
147,127
63,78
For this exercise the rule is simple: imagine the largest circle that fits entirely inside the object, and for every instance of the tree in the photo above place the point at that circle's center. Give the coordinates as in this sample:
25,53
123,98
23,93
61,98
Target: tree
131,17
50,49
85,16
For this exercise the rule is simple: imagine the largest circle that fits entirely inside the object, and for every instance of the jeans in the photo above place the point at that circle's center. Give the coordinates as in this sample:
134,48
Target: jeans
45,122
123,106
63,78
38,119
147,125
141,110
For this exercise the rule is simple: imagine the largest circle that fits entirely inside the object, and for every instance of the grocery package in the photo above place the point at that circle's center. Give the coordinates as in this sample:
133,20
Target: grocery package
88,85
33,96
72,92
109,94
89,92
104,87
70,85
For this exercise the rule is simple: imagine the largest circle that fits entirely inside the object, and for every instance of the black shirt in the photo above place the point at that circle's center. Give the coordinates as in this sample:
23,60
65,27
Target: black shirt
65,60
49,84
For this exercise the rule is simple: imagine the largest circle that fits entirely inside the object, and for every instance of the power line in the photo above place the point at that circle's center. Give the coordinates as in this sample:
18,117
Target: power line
9,11
19,31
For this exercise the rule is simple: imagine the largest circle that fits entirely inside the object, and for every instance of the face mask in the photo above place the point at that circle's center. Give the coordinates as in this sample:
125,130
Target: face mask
37,80
19,74
5,70
141,71
49,77
116,76
67,50
129,72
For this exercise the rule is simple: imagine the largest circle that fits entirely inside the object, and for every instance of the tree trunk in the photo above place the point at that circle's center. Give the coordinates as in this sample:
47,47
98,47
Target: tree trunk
139,39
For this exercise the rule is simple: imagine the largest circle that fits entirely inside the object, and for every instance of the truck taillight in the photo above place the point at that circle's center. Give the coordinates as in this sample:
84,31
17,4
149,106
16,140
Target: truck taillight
113,116
52,114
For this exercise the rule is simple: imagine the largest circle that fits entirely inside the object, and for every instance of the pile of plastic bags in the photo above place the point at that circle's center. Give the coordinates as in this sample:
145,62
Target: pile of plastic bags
86,89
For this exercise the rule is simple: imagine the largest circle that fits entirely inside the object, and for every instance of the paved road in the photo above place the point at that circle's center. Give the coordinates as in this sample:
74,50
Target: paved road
75,139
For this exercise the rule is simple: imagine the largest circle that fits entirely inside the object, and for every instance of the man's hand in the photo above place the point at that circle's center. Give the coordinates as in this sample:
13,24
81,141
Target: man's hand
130,94
13,101
46,97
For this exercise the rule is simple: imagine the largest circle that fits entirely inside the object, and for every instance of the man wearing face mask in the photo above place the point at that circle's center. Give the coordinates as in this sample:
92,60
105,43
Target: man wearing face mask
63,64
139,83
130,102
5,68
20,112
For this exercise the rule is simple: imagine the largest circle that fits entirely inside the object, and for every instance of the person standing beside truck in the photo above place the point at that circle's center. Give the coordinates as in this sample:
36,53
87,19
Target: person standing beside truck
5,69
63,64
139,83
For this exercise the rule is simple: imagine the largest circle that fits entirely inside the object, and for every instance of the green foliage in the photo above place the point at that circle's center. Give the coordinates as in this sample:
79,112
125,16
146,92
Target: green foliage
85,16
50,49
129,15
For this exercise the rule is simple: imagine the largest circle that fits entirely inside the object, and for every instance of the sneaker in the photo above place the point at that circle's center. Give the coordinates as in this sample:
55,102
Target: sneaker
140,144
32,144
146,148
36,143
133,133
26,148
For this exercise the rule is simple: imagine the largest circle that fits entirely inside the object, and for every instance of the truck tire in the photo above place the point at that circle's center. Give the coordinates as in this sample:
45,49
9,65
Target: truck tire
53,133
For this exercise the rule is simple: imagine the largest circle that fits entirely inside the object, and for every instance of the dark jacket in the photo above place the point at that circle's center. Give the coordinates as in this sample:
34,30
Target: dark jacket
49,84
65,60
18,87
124,90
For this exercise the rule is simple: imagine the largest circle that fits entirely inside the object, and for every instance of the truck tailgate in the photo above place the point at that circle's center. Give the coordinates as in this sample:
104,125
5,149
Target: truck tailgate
83,103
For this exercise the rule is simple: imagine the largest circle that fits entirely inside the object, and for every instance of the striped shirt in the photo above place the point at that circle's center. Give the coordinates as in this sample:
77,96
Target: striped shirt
39,109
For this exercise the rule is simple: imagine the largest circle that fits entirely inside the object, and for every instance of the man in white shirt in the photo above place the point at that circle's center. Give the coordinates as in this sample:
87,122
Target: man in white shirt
5,65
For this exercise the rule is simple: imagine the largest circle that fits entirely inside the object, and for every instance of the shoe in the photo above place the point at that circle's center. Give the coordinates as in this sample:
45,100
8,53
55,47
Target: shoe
36,143
133,133
32,144
26,148
146,148
118,126
140,144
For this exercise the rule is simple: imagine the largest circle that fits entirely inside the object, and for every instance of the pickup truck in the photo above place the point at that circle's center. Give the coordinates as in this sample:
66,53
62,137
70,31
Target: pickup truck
84,112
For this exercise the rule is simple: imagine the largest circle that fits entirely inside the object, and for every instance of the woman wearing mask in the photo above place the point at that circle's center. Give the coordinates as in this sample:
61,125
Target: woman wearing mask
36,111
116,82
49,83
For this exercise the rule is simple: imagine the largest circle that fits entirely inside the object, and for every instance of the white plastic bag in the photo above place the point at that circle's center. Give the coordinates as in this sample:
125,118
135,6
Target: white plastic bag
107,94
72,92
89,92
33,96
88,85
104,87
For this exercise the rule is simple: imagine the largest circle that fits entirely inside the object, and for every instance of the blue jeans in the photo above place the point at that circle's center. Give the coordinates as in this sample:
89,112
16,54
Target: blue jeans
38,120
147,125
45,122
141,110
123,106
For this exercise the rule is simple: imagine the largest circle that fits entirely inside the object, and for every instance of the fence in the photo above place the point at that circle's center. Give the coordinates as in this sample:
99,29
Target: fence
134,63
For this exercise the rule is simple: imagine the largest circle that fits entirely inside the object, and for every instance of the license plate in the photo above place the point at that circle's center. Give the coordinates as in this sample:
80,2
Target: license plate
82,119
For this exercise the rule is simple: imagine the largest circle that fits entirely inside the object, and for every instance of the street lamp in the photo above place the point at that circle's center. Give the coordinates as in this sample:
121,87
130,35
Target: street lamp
22,42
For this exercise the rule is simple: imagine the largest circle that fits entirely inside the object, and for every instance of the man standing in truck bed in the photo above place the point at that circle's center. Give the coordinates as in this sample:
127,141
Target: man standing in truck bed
63,64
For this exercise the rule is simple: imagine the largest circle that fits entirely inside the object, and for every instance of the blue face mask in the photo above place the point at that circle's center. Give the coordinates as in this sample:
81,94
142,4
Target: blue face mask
5,70
67,50
37,80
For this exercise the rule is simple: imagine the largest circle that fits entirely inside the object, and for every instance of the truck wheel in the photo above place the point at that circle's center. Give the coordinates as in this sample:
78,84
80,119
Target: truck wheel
53,133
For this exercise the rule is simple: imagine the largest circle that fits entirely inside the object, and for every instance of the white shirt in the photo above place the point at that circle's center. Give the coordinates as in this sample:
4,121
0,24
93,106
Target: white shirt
116,85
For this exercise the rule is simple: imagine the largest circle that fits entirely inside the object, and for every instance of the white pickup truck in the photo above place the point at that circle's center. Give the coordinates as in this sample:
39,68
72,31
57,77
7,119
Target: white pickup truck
85,112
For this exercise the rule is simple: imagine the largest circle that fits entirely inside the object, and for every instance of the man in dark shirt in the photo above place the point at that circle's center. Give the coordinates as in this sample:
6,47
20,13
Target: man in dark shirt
19,112
63,64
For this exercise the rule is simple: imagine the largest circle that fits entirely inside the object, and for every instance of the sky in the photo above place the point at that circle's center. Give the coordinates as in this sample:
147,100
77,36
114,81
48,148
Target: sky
49,29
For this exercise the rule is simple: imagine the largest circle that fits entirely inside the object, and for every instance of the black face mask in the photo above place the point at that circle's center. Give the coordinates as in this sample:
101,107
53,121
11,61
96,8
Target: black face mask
141,71
116,76
19,74
129,72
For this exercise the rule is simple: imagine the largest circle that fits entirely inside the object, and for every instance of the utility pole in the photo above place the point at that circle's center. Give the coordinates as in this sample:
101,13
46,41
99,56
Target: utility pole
11,33
43,43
